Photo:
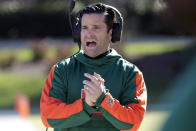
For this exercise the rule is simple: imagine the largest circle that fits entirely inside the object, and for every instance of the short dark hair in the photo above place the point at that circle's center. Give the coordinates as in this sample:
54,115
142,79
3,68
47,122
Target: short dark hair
100,8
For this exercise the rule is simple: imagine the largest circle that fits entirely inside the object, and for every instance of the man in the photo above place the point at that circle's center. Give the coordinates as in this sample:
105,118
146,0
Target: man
114,96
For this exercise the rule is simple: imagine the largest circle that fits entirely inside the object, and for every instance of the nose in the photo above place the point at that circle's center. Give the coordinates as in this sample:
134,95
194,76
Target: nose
90,33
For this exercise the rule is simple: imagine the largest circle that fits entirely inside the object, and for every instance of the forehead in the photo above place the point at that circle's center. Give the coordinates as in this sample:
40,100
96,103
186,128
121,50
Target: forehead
93,19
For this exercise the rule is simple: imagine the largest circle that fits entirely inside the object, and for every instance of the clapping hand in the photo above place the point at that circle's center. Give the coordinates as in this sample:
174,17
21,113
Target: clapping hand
94,88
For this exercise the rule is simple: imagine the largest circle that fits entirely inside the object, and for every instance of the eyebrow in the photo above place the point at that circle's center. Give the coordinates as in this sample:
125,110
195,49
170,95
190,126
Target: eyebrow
93,25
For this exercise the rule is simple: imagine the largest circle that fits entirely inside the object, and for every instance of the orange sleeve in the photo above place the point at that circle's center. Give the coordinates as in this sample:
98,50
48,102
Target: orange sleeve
53,108
132,113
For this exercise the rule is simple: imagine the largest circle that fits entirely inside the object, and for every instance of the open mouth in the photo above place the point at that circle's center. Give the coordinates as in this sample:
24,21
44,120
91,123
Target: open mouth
91,44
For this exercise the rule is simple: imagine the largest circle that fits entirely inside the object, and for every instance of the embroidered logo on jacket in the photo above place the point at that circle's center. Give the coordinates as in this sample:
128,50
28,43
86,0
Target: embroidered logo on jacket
109,102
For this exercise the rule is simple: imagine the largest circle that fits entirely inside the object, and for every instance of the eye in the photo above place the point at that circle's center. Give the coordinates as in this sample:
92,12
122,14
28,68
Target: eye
96,27
84,27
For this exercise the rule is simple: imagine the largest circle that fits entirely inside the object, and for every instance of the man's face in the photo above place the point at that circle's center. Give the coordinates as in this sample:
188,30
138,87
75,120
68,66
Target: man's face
95,38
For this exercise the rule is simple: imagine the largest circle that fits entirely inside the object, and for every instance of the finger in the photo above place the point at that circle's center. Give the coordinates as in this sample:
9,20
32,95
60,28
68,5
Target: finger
89,83
88,98
89,95
99,77
89,90
86,91
92,78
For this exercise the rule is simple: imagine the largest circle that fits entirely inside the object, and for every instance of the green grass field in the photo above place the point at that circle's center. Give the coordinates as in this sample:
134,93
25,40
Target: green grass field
151,48
11,84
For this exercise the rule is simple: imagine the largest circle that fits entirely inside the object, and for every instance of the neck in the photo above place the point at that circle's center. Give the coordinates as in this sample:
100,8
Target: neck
99,56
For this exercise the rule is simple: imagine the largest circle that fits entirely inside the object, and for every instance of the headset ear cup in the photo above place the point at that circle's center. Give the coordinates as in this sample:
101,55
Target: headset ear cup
76,33
116,33
76,30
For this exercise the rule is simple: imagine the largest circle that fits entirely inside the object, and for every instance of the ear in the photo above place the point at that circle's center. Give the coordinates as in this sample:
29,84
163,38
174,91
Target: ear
110,34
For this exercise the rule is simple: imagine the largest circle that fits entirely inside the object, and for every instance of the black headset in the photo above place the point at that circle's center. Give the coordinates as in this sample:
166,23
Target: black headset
76,27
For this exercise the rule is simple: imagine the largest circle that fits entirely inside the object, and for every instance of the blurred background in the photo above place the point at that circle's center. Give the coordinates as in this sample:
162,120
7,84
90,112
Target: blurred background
158,36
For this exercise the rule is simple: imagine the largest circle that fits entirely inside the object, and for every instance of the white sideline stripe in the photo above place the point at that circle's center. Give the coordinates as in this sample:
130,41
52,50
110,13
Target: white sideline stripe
15,123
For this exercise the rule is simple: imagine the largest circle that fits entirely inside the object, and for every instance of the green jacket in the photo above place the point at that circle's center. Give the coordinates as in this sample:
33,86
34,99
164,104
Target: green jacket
122,107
